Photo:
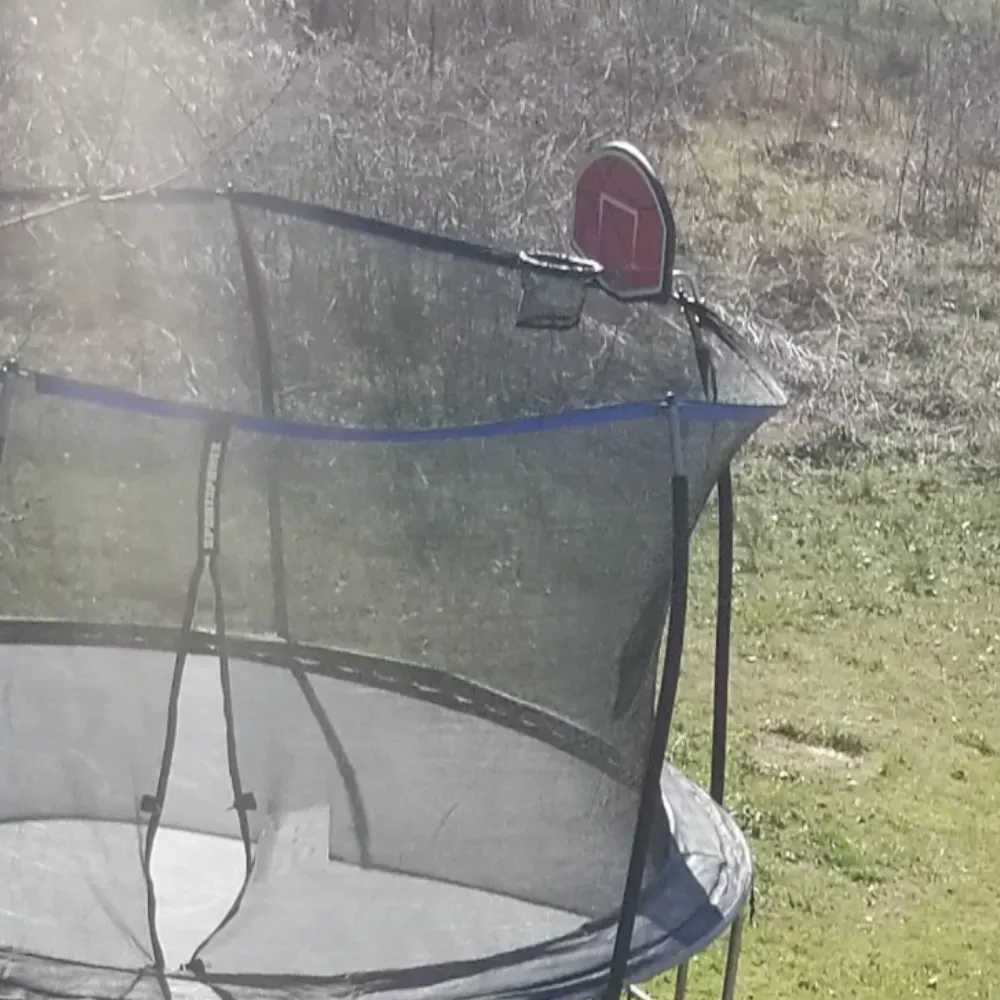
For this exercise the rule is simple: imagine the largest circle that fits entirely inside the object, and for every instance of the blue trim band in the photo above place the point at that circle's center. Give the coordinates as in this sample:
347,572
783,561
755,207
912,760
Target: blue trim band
119,399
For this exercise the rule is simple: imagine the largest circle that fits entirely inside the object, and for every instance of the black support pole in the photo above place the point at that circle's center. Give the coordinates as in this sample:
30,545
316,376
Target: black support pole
696,317
268,392
723,633
650,795
265,371
9,373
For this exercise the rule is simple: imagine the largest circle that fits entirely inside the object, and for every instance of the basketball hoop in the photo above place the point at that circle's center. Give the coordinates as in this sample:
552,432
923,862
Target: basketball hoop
622,218
554,289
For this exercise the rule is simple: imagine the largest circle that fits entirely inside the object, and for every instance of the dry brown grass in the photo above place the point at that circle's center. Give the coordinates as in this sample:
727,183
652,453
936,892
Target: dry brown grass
833,171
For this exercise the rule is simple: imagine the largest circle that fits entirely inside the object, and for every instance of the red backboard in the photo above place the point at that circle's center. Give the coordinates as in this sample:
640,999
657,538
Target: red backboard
622,219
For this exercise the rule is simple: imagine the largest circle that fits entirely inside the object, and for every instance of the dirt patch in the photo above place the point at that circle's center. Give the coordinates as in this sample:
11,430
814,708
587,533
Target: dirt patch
780,751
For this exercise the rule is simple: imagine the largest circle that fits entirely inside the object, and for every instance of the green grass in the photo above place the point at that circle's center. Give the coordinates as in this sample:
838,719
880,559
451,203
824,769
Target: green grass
866,722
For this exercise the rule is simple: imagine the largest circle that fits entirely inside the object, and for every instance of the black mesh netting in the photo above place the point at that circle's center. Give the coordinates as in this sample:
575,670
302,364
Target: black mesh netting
413,671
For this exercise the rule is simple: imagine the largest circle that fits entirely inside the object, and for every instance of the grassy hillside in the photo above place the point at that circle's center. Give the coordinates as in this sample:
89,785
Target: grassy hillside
833,168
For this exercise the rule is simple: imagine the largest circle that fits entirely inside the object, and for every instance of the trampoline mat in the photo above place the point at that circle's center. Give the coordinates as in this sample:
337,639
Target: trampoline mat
384,921
315,921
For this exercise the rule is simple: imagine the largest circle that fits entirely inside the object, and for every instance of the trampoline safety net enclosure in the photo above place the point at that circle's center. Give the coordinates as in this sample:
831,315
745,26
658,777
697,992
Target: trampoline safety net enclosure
328,665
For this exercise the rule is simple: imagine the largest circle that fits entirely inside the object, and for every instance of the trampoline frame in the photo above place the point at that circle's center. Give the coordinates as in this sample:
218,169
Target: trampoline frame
699,317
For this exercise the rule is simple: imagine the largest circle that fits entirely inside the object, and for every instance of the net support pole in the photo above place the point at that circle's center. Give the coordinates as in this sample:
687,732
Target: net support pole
696,316
265,373
720,699
723,633
8,373
681,985
663,717
723,637
733,957
268,392
720,705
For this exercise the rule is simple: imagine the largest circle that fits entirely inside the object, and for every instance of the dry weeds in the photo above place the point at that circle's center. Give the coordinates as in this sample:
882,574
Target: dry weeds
833,174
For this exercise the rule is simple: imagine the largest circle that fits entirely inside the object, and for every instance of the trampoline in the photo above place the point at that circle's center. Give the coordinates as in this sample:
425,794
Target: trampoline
295,704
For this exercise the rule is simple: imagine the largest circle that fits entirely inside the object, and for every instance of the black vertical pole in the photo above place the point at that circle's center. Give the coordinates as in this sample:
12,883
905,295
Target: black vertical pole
649,798
724,599
8,373
265,371
723,633
724,587
265,368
